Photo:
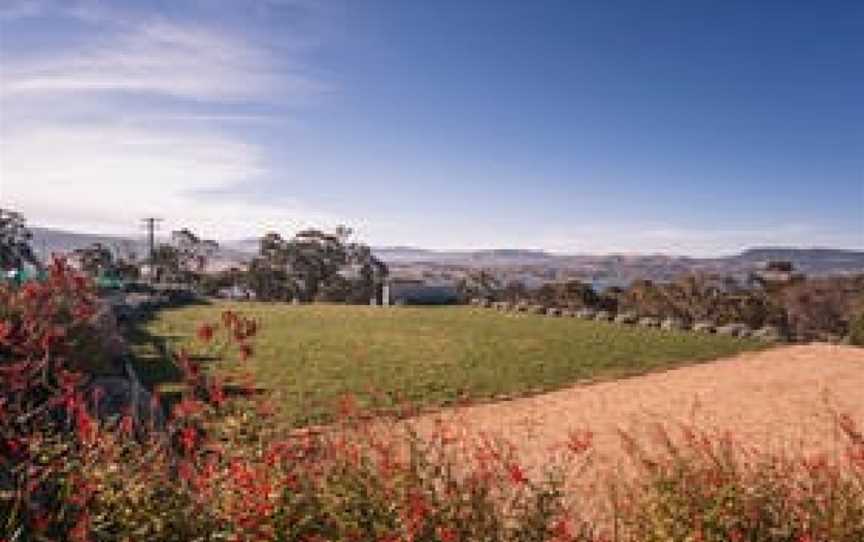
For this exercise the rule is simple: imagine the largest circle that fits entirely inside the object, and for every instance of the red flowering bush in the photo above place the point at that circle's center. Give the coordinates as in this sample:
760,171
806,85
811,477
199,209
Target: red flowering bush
712,488
368,482
221,468
47,343
55,456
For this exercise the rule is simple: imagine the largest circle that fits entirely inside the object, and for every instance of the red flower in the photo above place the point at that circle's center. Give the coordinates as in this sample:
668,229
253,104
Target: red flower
81,531
30,290
80,282
188,437
186,472
205,332
580,441
216,392
85,427
186,407
126,424
418,509
446,534
561,530
517,475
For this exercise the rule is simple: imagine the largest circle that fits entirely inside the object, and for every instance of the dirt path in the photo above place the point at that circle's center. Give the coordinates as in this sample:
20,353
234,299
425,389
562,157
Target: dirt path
777,398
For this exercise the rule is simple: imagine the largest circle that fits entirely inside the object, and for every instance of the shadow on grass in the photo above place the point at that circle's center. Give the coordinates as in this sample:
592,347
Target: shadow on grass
152,355
153,359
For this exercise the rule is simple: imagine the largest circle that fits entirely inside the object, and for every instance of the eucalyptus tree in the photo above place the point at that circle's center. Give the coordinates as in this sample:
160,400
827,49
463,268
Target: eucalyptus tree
95,259
15,241
481,284
193,252
318,264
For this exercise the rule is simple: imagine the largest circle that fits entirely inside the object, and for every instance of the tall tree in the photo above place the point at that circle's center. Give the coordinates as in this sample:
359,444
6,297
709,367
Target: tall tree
185,258
15,238
482,284
316,264
95,259
193,252
126,263
314,259
371,272
166,263
269,282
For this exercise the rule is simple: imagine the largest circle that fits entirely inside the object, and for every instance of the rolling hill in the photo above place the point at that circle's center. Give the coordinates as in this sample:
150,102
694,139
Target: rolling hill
813,261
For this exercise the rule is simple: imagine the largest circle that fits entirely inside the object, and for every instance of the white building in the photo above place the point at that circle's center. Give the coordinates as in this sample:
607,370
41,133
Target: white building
404,291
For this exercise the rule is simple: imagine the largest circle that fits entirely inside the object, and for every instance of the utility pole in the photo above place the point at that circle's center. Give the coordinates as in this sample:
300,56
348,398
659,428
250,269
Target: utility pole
151,224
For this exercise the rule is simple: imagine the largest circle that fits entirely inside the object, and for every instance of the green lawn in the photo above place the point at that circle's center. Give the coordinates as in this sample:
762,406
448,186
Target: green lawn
311,355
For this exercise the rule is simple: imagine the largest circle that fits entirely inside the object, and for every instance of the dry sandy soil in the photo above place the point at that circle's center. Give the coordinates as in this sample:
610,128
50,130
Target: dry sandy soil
778,398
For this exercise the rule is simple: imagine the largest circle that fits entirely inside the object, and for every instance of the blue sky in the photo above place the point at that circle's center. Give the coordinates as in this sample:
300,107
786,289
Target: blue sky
697,127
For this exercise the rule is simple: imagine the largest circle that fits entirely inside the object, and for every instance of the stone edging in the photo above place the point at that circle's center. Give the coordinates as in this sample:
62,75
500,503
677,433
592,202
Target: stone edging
767,333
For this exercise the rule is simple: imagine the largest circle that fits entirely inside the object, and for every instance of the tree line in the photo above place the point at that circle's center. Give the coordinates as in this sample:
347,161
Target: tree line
802,307
316,265
312,265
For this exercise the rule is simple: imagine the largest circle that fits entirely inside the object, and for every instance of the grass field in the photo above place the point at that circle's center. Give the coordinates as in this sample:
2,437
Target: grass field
311,355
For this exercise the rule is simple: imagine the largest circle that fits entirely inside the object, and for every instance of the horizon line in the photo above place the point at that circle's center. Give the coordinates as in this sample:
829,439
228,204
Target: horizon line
470,250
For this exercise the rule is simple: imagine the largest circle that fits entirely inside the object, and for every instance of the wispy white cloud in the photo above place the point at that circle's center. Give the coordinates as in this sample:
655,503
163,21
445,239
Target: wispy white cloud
91,11
100,133
103,178
165,59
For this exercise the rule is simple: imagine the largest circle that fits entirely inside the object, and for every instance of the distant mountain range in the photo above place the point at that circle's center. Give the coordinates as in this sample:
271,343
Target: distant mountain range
813,261
49,240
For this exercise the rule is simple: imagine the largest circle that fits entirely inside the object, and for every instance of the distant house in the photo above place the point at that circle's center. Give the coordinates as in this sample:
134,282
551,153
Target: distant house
236,293
418,292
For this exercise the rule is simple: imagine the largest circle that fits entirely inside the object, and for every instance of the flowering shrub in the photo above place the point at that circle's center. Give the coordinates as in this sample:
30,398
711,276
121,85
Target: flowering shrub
221,468
712,488
46,342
